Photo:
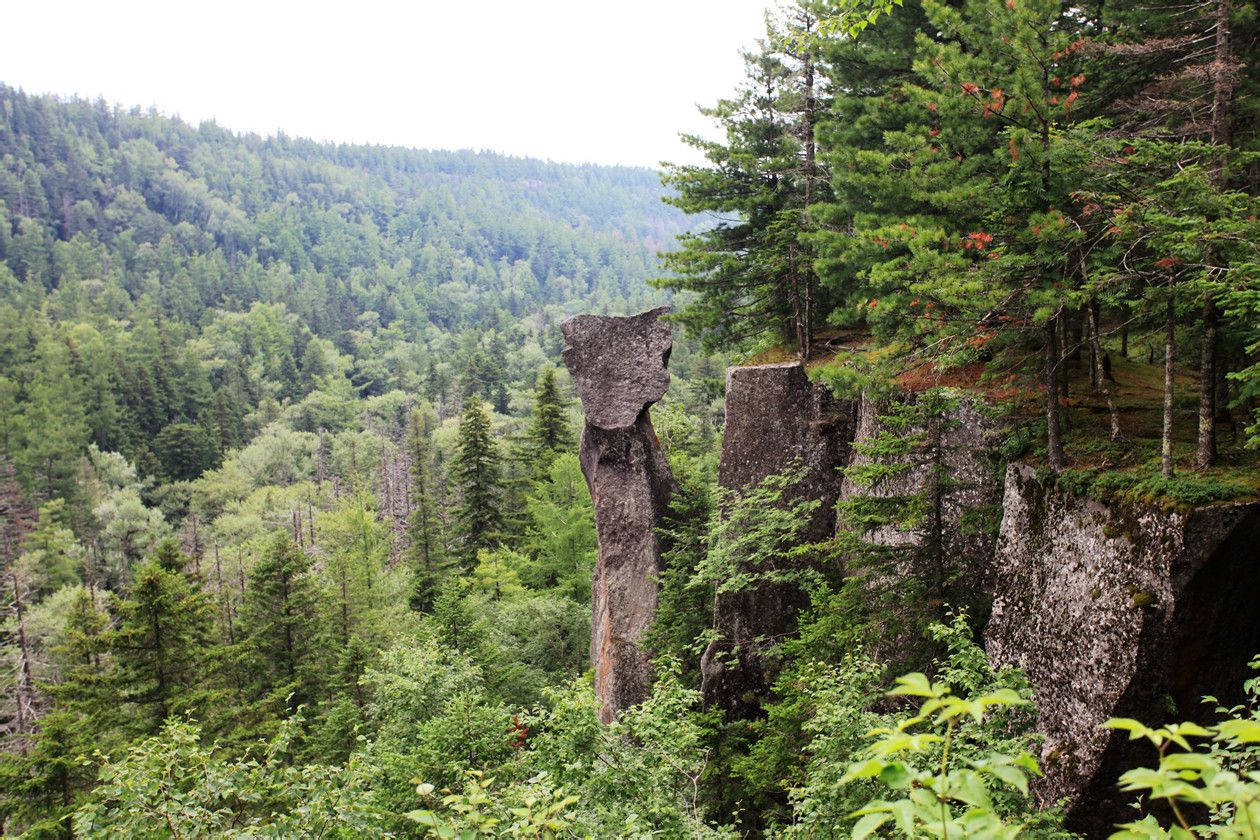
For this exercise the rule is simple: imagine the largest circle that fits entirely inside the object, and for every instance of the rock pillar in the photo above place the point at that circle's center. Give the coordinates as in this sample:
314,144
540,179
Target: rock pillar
775,419
618,366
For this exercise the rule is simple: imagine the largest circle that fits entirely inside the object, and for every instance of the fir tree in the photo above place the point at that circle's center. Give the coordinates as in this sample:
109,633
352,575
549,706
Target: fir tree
549,431
164,645
280,621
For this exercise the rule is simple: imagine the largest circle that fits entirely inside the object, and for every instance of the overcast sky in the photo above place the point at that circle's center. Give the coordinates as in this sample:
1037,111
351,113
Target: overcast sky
568,80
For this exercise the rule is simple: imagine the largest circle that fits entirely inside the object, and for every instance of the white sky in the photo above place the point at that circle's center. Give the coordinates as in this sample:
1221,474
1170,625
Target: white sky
566,80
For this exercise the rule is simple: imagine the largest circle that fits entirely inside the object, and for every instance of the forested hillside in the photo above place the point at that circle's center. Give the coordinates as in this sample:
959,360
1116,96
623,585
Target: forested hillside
266,404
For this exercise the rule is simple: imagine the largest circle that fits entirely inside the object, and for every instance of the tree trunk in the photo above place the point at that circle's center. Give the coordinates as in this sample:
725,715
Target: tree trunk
1205,454
24,694
1095,354
1222,99
1170,338
1061,370
1099,374
1054,443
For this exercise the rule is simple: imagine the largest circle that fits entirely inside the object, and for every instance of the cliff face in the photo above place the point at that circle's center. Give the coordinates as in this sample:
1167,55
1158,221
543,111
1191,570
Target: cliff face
776,419
619,369
1119,610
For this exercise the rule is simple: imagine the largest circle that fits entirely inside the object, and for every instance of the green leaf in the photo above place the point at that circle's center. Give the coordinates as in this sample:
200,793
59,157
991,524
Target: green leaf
867,825
1242,731
895,775
1136,729
1010,775
868,769
913,685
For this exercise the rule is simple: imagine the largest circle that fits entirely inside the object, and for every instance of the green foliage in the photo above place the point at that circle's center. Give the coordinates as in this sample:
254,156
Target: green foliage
530,809
819,736
757,539
476,473
685,600
425,550
937,798
561,544
641,775
163,657
171,785
550,432
432,717
1214,768
279,620
894,526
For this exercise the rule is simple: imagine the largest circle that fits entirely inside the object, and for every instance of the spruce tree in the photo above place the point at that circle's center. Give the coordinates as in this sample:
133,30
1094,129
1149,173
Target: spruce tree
549,431
164,645
477,473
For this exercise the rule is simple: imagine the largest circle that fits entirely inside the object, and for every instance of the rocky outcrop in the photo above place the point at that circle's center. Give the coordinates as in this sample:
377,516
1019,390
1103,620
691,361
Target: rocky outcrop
1113,610
1119,610
776,420
618,366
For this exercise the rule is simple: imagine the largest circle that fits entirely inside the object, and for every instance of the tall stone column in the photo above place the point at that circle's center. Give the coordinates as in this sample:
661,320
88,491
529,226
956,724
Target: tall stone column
776,419
618,366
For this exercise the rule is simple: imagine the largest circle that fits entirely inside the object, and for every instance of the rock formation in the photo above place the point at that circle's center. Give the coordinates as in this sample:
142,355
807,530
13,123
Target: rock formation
1119,610
1123,609
619,369
775,418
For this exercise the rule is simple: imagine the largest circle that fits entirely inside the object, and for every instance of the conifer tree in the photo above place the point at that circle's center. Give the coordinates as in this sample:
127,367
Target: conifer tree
164,645
549,431
424,551
477,474
736,265
280,620
42,788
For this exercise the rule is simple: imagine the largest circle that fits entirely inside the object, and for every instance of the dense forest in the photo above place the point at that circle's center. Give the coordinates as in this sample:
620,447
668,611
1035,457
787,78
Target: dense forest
294,536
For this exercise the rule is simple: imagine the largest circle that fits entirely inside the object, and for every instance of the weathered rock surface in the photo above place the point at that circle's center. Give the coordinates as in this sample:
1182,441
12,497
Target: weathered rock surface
1119,610
618,365
774,417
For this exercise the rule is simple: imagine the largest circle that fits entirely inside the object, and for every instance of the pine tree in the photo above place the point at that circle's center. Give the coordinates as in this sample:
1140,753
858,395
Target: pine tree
477,474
